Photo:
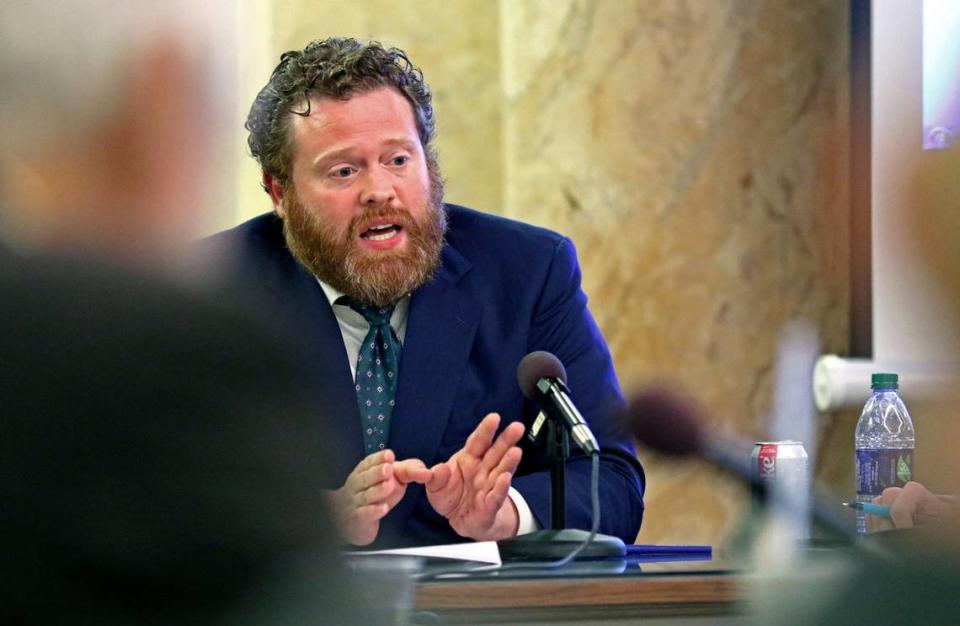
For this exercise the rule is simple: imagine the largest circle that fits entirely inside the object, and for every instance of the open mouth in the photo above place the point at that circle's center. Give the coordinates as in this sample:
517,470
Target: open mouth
381,232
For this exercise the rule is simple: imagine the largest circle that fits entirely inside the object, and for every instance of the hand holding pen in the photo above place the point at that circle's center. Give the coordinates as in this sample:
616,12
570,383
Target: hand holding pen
882,512
907,506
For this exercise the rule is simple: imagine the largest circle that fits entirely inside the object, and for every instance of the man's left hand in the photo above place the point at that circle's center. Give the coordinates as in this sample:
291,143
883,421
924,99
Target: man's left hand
470,489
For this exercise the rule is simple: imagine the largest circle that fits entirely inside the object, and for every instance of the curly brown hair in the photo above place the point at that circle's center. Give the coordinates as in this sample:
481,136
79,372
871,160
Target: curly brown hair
338,67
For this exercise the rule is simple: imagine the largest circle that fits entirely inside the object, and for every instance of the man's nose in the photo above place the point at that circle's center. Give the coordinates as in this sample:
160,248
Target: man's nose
377,188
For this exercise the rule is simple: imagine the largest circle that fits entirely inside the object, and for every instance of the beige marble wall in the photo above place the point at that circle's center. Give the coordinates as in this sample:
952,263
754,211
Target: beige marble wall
696,152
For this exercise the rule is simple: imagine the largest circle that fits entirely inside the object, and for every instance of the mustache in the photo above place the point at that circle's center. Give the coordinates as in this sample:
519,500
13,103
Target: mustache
400,217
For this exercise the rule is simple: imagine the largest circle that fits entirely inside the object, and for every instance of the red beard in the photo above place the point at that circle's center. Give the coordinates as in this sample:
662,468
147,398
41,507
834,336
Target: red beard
377,278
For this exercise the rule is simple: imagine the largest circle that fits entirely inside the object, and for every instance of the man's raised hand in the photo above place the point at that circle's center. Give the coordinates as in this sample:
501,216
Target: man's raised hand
470,489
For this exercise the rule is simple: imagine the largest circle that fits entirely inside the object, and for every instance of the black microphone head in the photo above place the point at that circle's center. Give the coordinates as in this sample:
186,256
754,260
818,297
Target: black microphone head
535,366
666,421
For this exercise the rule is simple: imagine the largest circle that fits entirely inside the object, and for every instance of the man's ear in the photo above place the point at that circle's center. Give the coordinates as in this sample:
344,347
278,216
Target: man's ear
275,189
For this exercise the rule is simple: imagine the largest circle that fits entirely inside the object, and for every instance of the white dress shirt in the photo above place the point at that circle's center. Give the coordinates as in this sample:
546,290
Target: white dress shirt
354,328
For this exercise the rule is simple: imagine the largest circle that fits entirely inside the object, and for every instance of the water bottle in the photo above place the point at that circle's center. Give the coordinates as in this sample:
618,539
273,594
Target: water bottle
884,443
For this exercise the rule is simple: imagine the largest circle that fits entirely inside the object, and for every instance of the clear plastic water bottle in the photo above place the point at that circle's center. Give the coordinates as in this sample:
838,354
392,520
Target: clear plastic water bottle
884,443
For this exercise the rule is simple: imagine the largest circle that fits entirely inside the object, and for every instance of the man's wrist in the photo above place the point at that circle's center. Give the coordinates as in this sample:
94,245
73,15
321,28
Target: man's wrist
528,523
513,518
505,524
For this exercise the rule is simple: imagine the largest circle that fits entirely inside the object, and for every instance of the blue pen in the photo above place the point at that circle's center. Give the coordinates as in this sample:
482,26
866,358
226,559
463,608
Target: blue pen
870,508
880,510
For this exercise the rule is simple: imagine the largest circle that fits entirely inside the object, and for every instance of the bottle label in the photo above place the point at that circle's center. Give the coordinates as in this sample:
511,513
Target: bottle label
879,469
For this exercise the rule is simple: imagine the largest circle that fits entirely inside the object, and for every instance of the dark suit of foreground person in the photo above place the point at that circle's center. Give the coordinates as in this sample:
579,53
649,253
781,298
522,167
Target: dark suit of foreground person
343,134
159,458
503,289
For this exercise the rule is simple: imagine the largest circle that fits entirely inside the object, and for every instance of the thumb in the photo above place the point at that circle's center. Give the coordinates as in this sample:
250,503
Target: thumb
440,477
411,471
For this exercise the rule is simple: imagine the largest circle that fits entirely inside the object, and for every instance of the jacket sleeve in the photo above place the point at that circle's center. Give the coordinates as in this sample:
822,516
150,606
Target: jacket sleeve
562,324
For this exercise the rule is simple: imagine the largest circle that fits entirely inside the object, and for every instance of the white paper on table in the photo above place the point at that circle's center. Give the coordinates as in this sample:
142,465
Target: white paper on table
479,551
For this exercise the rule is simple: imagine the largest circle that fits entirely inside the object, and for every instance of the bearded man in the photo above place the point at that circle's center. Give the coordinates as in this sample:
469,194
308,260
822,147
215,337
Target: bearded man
418,312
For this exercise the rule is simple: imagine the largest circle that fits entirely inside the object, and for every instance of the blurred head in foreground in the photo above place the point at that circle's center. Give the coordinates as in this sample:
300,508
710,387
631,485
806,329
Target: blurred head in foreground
109,116
159,458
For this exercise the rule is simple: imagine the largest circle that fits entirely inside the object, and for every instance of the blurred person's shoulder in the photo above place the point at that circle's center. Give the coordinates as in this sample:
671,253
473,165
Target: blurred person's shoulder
91,324
184,419
96,294
232,249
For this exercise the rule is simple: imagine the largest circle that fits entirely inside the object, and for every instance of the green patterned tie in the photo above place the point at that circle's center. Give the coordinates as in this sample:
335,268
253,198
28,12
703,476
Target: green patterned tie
376,382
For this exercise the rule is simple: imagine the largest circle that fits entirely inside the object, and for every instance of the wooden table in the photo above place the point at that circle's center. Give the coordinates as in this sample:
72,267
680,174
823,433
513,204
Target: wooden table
676,597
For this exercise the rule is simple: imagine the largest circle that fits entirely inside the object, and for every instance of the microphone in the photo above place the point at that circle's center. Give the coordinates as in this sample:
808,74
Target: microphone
542,377
674,425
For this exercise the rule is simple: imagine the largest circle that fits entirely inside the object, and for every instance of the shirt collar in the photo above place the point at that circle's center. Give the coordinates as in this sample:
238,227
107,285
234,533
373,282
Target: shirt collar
332,293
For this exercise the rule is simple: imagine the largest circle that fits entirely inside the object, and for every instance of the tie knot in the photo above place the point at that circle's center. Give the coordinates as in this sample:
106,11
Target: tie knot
375,316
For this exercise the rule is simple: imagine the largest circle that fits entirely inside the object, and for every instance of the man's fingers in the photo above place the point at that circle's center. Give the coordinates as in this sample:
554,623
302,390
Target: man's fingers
374,469
371,512
499,480
510,462
397,495
381,492
370,477
504,443
908,502
480,439
360,501
888,496
498,495
377,458
411,471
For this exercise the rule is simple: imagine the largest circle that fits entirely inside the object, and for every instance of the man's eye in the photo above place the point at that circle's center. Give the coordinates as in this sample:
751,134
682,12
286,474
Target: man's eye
400,160
342,172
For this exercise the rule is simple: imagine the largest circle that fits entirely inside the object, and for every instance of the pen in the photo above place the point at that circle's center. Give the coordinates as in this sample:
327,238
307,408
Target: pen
880,510
869,508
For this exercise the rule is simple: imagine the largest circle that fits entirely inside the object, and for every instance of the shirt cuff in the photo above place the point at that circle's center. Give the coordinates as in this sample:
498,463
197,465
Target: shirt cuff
528,523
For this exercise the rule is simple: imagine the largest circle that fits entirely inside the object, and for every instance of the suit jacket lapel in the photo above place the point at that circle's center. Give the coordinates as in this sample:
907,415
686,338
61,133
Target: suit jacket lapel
441,326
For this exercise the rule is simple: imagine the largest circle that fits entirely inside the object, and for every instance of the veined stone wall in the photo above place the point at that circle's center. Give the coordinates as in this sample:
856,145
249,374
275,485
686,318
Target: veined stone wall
696,152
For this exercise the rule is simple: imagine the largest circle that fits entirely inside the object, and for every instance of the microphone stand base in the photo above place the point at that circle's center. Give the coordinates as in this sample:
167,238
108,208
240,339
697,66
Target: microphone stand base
550,545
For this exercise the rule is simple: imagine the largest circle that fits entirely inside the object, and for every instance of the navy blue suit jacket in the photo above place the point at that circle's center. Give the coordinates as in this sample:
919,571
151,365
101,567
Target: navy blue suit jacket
504,289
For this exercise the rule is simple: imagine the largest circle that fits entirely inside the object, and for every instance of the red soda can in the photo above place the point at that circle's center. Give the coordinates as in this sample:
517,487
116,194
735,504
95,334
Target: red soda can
782,461
782,468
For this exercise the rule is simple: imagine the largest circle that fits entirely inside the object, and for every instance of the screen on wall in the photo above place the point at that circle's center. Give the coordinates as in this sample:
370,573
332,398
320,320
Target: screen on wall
941,74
